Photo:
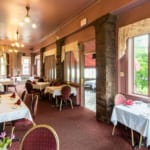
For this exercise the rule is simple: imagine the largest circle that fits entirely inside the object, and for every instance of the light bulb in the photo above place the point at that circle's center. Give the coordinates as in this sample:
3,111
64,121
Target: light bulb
22,45
17,44
27,19
21,24
10,50
15,50
34,26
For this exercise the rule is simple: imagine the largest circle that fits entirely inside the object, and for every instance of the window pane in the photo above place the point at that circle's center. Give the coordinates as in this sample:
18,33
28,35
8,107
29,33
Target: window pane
141,64
90,73
26,65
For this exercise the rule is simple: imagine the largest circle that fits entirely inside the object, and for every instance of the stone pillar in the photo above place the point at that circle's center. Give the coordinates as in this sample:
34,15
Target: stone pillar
41,59
59,64
105,66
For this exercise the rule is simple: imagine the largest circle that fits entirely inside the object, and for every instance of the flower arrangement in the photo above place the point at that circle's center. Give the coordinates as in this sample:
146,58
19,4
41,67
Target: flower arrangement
5,141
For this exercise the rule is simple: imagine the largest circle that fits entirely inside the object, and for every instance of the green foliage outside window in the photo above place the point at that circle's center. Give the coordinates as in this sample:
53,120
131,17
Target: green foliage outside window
141,57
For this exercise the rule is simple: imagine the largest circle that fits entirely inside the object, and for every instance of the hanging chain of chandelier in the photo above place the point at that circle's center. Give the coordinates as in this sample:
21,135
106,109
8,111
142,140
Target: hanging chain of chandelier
27,19
15,45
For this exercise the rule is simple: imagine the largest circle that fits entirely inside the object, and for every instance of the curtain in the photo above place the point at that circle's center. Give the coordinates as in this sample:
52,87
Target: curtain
49,53
71,68
135,29
50,67
73,47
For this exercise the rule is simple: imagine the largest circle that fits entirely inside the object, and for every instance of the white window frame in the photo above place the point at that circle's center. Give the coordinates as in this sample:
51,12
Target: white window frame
29,65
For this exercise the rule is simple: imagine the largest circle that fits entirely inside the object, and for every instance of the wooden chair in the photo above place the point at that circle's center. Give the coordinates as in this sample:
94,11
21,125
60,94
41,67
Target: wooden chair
65,96
30,90
23,95
40,137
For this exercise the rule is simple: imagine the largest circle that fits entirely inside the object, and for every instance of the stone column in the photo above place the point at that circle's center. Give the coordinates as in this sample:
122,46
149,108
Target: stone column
59,64
41,59
105,66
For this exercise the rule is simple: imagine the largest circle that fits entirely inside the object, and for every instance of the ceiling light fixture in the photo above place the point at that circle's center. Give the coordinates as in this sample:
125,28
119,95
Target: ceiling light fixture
27,19
15,45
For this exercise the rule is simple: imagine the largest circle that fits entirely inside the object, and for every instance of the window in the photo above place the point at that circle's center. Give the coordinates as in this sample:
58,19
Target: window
71,68
2,65
139,74
26,63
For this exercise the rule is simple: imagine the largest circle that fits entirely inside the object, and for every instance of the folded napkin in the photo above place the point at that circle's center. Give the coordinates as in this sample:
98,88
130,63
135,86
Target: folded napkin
18,102
13,95
129,102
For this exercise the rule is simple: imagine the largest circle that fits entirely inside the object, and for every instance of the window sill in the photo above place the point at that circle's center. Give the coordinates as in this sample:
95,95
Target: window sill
138,97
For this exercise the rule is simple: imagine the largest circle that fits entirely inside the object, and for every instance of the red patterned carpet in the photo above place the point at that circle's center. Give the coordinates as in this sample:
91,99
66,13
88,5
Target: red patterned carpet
78,129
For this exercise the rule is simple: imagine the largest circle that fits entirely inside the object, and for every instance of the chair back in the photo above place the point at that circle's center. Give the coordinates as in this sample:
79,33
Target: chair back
29,87
32,104
119,99
23,95
29,81
65,92
40,80
40,137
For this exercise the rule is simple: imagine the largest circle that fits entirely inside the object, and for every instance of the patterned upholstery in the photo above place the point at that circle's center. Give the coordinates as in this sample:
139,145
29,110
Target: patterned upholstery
30,89
65,96
40,137
65,92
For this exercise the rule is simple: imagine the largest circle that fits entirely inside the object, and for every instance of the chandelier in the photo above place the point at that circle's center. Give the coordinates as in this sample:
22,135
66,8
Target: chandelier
16,44
27,19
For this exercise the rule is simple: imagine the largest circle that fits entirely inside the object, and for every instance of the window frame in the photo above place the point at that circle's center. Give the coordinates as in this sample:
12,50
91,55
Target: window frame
29,65
130,71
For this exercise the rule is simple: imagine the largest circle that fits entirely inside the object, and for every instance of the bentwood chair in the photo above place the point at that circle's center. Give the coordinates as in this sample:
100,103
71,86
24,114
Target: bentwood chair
23,95
30,89
40,80
32,104
65,96
40,137
121,99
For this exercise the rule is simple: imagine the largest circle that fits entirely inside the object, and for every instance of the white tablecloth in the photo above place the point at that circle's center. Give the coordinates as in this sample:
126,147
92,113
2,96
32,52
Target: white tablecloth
40,85
6,81
56,90
136,117
9,111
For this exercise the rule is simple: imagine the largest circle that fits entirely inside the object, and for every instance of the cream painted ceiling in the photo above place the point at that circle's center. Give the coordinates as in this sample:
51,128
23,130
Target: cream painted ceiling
46,14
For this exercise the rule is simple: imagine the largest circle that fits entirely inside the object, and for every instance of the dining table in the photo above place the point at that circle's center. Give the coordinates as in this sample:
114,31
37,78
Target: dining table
56,90
40,85
6,82
136,116
10,111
